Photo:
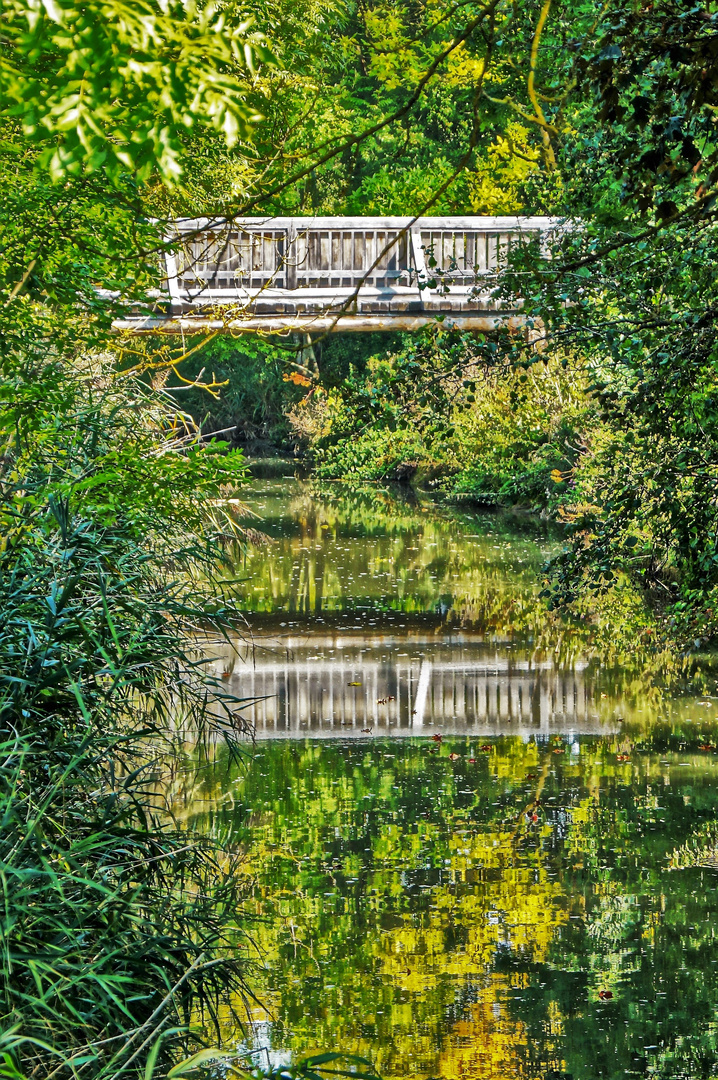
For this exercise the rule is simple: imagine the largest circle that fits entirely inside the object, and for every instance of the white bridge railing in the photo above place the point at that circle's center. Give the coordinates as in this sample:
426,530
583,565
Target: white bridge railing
338,273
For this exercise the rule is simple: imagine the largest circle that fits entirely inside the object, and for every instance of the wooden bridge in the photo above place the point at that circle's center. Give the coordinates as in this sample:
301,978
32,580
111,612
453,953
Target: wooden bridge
322,274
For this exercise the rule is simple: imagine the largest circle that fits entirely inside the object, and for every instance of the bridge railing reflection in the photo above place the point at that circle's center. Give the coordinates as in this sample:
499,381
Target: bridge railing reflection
356,691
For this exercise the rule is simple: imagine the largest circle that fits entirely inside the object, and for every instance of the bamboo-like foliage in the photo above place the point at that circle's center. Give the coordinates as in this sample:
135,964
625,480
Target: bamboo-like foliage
115,921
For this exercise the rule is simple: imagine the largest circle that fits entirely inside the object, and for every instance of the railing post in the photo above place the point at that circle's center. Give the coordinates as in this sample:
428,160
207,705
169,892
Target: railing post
545,237
418,253
172,283
290,257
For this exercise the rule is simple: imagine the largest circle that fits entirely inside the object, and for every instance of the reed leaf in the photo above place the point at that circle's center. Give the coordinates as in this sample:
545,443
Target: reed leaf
116,924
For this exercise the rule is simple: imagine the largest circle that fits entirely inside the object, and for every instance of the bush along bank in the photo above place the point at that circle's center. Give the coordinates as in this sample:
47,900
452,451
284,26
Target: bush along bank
432,408
117,924
438,413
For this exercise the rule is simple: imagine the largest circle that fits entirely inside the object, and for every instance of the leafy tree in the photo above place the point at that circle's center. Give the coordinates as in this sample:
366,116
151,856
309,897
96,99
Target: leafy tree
632,289
113,933
113,87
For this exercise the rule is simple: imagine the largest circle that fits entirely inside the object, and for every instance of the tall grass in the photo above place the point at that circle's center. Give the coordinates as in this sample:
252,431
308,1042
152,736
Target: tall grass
115,924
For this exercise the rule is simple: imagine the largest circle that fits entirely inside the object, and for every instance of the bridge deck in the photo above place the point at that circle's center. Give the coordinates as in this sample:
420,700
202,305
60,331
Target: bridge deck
322,274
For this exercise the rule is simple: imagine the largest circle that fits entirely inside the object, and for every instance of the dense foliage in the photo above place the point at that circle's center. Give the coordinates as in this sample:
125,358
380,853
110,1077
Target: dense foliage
609,420
114,918
113,87
113,511
633,291
112,517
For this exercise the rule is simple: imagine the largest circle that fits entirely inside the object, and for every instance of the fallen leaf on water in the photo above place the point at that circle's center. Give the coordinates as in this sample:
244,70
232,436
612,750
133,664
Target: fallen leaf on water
486,748
559,750
605,995
531,776
472,760
437,738
355,684
366,730
454,757
384,700
226,674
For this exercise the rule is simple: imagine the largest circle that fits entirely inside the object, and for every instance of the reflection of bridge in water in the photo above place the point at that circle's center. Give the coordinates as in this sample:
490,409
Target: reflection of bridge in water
340,687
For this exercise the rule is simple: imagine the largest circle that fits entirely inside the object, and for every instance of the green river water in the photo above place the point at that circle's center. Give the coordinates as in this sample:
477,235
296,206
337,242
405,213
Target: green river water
475,844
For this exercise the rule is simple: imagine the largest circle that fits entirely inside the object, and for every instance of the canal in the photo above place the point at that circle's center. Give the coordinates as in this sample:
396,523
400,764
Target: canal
477,841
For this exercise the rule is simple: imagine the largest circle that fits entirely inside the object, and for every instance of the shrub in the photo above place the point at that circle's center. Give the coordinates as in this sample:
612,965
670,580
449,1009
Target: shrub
115,921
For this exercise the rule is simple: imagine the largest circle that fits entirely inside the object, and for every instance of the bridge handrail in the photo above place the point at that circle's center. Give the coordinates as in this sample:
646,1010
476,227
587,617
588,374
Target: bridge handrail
473,221
285,254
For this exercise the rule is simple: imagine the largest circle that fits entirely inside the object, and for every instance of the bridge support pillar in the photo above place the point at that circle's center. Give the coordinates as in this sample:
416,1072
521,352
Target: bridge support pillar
306,355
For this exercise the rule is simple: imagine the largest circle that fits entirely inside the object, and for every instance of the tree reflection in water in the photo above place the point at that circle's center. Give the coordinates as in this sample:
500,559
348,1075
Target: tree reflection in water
525,892
425,912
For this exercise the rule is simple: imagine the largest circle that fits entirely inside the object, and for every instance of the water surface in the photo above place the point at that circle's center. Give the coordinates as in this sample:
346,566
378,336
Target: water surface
475,846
